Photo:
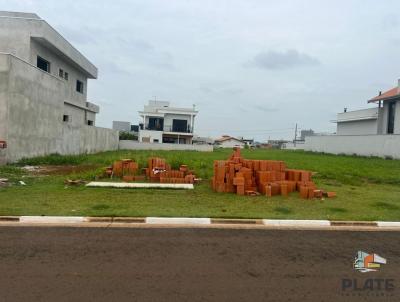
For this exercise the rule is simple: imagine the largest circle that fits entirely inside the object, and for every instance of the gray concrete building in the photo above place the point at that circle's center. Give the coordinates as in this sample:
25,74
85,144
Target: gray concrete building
43,93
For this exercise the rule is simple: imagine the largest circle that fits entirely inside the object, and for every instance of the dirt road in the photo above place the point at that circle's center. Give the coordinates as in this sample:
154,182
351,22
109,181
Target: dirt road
136,264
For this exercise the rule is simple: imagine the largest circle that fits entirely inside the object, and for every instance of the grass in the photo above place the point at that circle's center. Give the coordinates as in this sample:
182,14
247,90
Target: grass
367,188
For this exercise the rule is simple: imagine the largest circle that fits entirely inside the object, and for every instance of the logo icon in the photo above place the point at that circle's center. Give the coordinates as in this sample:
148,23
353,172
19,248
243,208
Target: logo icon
365,262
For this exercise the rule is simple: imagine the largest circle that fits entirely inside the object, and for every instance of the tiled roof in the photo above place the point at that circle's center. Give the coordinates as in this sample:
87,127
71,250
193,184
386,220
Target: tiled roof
392,93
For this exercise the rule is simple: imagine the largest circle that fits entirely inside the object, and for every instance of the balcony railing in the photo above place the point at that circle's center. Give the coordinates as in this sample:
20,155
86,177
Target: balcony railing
169,129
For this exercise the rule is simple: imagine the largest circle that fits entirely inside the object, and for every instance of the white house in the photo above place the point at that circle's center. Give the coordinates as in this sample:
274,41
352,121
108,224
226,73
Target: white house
383,119
165,124
227,141
370,132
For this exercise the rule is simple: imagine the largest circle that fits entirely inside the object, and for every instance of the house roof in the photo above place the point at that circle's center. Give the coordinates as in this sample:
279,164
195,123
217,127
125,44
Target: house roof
390,94
226,138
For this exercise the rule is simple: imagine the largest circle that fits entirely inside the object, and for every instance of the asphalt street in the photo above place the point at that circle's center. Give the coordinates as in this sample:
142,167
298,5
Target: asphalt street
193,264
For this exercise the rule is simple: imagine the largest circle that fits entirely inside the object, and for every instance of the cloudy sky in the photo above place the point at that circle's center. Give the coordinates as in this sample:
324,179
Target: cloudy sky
253,68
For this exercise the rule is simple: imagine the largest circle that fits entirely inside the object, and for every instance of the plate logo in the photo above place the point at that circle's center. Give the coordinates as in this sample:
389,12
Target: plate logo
365,262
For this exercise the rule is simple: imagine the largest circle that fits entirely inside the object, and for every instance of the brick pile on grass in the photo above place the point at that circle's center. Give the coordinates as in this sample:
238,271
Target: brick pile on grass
158,170
262,177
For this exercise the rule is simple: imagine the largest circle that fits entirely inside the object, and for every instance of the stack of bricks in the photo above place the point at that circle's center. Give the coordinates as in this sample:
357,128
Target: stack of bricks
267,177
125,169
157,171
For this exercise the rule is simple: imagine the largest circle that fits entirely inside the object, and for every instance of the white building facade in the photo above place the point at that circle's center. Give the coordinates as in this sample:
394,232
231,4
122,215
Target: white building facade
162,123
368,132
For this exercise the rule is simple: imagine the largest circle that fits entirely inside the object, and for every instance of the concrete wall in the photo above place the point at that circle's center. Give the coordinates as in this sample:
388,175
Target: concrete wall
365,145
87,139
153,135
133,145
362,127
32,107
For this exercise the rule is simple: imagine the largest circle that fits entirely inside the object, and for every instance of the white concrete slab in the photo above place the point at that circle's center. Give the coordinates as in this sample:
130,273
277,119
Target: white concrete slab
298,223
133,185
177,220
51,219
388,224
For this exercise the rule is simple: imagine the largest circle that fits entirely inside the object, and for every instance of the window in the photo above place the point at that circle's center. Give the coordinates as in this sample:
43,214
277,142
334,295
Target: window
66,76
79,86
391,117
61,73
65,118
156,123
179,126
43,64
90,123
155,140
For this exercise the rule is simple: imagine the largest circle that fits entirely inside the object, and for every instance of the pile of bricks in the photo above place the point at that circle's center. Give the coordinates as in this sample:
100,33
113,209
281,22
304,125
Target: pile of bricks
266,177
157,171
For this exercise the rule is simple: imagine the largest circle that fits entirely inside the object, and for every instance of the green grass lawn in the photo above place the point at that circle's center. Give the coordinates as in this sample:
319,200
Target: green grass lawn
367,188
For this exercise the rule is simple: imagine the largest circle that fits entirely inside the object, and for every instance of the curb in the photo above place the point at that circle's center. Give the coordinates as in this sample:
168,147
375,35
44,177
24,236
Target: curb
277,223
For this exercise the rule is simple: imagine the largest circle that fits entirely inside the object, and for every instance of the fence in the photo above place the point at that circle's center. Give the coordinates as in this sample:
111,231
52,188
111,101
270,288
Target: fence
365,145
134,145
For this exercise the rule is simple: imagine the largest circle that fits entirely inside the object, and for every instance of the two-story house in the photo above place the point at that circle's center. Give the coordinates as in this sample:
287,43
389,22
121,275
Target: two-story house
382,119
165,124
43,92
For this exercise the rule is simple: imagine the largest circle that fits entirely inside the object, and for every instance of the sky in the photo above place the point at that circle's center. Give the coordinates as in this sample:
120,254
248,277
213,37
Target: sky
253,68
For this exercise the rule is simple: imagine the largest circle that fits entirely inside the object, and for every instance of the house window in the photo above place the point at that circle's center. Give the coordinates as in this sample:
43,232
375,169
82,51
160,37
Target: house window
90,123
156,123
43,64
61,73
155,141
79,86
65,118
66,76
179,126
391,117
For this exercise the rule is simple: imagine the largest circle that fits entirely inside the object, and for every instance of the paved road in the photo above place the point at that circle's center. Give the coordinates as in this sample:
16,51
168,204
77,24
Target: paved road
136,264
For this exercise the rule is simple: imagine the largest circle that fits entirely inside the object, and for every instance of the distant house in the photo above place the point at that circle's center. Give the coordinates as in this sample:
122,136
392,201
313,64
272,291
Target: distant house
384,119
227,141
165,124
199,140
369,132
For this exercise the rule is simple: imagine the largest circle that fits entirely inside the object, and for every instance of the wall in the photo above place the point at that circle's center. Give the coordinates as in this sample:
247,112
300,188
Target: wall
34,114
132,145
152,134
230,144
87,139
362,127
366,145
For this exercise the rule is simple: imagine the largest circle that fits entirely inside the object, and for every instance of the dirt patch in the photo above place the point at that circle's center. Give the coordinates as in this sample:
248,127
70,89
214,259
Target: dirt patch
58,170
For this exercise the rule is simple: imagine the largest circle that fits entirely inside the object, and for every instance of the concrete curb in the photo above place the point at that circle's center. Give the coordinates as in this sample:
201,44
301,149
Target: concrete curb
277,223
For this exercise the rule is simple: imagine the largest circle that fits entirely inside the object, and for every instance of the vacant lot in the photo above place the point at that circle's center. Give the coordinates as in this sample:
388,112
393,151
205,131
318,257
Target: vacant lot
367,188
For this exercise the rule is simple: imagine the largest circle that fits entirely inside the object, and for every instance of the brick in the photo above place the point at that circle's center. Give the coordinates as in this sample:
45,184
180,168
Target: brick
240,190
128,178
318,193
268,190
330,194
310,192
303,192
238,181
284,190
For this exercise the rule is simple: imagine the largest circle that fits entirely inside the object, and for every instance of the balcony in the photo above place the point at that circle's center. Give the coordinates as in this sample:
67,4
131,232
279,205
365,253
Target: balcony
170,129
358,115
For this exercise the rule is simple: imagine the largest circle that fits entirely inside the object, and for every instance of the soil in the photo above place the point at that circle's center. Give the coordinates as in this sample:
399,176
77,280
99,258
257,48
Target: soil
156,264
